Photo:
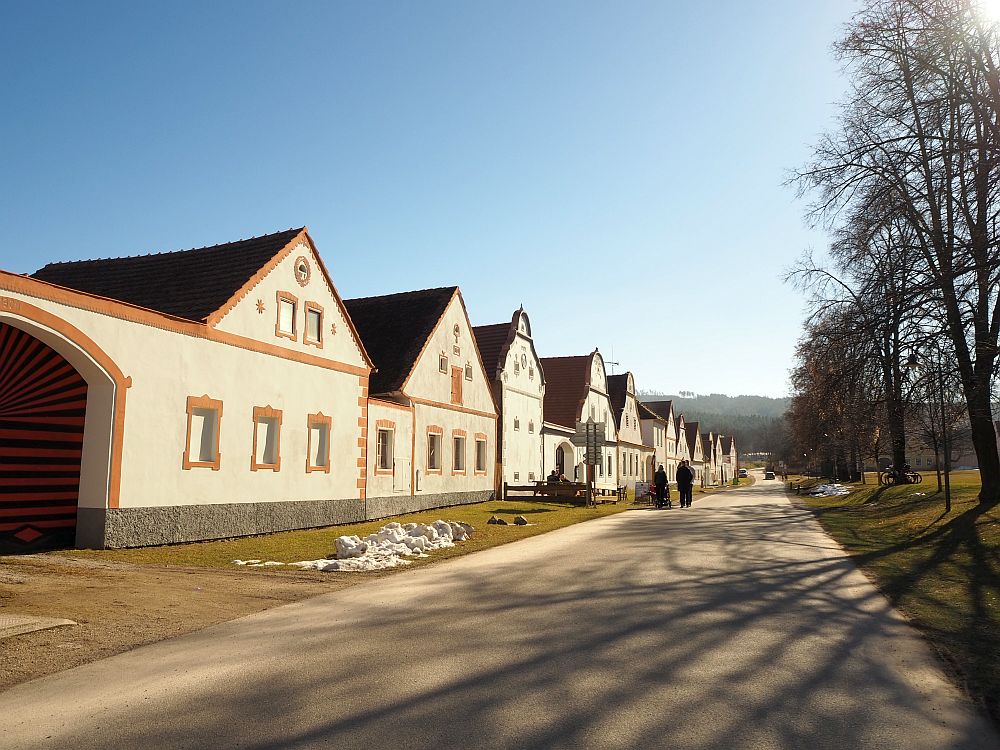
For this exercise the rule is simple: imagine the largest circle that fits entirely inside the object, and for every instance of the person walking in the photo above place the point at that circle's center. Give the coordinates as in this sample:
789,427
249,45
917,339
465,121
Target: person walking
685,483
662,488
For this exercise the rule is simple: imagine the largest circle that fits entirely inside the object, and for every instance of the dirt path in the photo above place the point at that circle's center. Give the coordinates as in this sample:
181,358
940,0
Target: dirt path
120,606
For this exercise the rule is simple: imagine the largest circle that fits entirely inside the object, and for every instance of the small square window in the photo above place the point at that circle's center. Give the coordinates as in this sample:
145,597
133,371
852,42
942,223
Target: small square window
318,448
285,325
383,450
517,475
531,427
468,372
314,324
531,476
443,364
434,451
517,424
266,439
481,455
204,417
531,373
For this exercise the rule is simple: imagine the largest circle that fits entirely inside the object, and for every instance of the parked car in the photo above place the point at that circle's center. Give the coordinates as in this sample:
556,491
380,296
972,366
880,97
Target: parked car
768,475
742,473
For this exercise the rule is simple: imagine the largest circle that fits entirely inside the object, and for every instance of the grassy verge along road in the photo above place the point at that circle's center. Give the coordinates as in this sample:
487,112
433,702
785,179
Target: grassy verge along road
942,570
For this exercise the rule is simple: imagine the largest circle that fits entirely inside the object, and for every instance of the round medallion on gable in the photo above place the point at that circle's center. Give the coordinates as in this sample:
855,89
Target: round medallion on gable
302,270
524,360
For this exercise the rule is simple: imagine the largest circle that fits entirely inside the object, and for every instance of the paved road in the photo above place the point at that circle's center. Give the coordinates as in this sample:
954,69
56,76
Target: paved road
734,624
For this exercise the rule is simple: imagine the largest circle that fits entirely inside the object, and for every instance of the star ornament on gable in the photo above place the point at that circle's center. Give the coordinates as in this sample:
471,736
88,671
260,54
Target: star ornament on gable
260,306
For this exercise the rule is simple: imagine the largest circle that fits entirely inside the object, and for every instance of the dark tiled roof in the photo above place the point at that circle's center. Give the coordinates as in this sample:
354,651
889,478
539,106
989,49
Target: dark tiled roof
660,408
189,284
394,329
646,413
492,341
692,435
566,382
727,444
707,444
617,391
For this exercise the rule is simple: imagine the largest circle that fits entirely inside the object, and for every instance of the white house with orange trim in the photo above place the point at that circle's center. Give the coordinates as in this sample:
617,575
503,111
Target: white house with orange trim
431,422
170,397
518,382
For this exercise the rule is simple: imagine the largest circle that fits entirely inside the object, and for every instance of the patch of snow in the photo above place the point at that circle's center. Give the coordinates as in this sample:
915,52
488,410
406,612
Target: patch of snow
386,548
258,563
829,490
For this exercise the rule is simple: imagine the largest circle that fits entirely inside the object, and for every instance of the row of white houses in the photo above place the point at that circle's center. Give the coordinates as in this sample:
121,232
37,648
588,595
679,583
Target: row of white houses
540,401
231,390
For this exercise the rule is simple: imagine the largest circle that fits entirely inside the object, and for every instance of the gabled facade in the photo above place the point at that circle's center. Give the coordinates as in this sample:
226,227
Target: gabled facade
673,450
710,460
207,393
696,452
727,461
431,421
654,433
683,446
518,386
576,389
634,456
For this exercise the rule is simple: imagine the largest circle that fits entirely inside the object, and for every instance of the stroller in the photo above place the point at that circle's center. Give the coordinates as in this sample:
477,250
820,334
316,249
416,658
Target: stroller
666,502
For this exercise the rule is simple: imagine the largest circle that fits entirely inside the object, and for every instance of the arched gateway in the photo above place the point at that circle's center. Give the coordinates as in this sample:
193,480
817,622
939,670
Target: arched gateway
43,403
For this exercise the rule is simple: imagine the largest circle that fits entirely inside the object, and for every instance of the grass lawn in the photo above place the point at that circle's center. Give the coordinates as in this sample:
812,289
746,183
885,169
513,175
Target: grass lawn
942,570
312,544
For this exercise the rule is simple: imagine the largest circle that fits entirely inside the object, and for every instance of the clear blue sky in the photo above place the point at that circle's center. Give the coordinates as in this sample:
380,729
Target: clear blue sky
615,167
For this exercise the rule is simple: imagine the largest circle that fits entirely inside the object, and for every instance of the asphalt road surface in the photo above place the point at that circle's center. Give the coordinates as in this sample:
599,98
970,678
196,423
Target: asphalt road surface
734,624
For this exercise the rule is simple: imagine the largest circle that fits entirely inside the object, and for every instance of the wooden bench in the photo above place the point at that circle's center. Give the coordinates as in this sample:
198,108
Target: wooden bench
569,490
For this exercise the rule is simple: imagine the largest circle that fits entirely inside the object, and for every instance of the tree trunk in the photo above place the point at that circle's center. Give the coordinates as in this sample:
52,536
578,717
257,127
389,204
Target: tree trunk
984,440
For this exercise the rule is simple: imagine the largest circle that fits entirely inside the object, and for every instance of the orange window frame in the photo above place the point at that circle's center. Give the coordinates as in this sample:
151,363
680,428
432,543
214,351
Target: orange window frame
318,420
203,402
280,297
481,437
266,412
390,426
307,308
455,434
439,431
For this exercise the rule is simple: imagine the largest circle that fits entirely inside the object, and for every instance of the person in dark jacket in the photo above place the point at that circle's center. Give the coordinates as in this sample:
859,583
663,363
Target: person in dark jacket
685,483
662,488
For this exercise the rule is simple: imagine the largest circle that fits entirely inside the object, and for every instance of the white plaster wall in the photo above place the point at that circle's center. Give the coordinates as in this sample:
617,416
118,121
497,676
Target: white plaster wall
245,320
167,367
399,482
448,420
522,394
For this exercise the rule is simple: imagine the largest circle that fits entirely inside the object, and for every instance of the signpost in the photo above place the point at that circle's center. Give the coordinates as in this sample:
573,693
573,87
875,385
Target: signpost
592,437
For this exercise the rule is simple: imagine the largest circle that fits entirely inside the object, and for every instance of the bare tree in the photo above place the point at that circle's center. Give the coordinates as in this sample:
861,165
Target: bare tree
921,132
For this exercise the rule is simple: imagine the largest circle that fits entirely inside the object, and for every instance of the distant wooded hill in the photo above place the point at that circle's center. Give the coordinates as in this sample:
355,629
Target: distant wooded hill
720,404
754,420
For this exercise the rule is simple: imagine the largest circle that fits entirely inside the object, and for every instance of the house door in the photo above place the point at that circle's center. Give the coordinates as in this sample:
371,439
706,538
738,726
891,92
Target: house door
401,474
43,403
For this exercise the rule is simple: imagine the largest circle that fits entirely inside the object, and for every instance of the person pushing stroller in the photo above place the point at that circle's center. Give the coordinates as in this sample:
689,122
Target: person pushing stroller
662,488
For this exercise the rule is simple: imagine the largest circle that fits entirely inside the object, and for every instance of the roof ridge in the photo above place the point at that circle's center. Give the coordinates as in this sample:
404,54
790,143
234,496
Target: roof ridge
398,294
171,252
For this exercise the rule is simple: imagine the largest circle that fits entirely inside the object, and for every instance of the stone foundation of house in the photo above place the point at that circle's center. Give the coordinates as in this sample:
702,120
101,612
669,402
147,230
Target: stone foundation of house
99,528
